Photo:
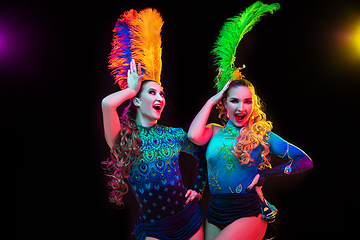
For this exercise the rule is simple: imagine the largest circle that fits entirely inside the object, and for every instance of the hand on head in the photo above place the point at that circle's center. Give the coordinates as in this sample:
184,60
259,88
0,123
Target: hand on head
216,98
134,77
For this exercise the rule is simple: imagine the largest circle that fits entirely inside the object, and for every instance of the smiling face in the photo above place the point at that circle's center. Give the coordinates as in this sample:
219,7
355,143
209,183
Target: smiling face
239,105
149,103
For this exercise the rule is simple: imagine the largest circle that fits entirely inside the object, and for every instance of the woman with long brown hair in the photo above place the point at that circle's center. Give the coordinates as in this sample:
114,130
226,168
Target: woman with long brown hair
144,152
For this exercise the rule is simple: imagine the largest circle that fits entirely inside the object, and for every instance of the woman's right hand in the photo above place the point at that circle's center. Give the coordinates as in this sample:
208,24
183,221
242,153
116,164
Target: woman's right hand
134,77
216,98
200,133
110,103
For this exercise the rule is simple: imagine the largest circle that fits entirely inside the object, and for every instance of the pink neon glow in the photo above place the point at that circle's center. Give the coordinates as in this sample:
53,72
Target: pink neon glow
1,43
5,47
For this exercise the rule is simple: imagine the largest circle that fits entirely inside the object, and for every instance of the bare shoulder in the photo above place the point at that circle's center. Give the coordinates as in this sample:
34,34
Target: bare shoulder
215,128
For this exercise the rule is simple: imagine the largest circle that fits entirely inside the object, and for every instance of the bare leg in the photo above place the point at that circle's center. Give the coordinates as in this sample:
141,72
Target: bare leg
211,231
249,228
199,235
151,238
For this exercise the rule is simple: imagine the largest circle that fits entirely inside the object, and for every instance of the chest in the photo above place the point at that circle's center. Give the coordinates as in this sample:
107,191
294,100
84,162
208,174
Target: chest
220,151
159,161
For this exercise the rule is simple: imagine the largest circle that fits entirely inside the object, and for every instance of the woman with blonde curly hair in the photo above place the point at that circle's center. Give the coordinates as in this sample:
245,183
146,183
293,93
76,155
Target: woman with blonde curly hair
237,161
236,154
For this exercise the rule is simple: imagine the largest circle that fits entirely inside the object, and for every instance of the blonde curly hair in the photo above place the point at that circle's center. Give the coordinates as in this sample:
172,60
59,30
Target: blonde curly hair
254,131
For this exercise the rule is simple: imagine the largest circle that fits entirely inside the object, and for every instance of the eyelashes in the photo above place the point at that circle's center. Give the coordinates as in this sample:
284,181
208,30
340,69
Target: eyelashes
153,91
237,101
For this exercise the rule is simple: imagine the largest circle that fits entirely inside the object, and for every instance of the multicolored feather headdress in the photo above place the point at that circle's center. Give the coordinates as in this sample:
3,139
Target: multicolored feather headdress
137,36
229,38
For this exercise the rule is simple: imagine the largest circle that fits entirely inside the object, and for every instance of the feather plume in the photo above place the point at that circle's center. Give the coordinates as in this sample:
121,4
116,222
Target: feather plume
146,43
120,56
230,36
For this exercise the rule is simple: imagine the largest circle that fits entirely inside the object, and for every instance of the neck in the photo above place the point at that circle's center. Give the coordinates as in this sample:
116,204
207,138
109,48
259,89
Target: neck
232,124
144,121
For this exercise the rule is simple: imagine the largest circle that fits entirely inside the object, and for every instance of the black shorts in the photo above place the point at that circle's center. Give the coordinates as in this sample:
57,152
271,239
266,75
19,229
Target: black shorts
180,226
225,208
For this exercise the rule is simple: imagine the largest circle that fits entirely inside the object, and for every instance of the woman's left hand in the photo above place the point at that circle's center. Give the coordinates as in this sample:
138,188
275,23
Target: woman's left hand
191,195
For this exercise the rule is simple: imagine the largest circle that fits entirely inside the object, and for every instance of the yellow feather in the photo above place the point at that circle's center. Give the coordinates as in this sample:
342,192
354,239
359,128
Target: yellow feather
146,43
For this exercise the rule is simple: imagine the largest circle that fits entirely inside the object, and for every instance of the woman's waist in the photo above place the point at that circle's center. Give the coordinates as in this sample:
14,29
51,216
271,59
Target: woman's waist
234,199
160,207
146,186
166,195
245,195
193,208
230,177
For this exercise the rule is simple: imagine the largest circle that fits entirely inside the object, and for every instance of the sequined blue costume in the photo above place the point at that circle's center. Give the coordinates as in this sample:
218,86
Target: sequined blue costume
157,184
225,173
228,179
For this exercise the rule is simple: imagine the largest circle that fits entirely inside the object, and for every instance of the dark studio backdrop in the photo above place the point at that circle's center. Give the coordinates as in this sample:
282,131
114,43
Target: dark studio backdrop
53,76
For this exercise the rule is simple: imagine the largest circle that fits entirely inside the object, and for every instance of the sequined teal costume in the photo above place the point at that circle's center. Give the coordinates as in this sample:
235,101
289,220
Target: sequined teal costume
228,179
226,175
156,180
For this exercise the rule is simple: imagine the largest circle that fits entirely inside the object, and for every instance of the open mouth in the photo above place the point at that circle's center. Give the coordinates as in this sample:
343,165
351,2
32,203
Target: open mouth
157,107
239,116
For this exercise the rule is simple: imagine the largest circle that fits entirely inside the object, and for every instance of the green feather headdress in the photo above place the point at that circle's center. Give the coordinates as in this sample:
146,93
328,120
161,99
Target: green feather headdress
230,36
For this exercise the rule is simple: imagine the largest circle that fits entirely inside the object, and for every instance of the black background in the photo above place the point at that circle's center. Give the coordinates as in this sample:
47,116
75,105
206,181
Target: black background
53,76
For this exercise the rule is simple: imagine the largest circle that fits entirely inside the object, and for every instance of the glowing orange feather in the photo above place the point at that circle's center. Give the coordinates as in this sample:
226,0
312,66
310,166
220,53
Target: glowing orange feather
146,42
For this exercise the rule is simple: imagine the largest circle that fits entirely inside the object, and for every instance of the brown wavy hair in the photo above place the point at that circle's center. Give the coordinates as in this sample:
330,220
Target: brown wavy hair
255,130
124,153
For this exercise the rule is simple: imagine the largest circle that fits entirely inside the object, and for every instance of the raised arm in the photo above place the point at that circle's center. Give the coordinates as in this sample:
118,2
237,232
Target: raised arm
110,103
200,133
110,116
